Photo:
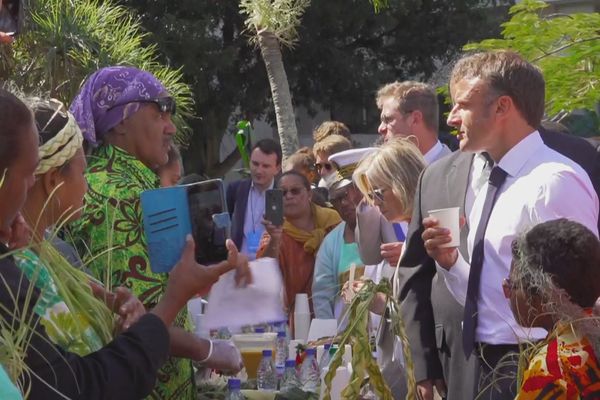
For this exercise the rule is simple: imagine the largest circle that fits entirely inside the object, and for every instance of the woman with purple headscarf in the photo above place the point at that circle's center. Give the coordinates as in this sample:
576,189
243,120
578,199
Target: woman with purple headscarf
125,116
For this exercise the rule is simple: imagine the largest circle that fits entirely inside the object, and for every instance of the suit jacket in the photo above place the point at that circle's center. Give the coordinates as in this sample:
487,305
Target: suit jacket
237,201
433,317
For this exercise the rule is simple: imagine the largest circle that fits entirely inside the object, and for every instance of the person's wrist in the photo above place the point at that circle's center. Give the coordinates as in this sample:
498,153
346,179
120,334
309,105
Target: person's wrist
210,351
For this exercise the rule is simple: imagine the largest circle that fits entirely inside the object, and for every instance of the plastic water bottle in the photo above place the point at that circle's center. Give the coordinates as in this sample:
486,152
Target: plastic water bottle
309,373
325,358
267,380
290,377
234,392
281,351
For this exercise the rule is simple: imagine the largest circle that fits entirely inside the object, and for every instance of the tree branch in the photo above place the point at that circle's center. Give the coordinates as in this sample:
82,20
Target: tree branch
566,46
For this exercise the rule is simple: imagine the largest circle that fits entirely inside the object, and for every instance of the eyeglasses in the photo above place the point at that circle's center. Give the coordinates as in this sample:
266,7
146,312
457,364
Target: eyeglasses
339,197
295,191
165,104
376,194
327,166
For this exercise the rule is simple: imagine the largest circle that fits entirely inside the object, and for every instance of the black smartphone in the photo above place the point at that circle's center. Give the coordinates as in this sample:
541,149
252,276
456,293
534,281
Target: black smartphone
274,206
210,220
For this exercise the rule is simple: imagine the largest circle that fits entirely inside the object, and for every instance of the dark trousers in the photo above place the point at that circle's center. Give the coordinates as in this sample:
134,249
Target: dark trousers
498,366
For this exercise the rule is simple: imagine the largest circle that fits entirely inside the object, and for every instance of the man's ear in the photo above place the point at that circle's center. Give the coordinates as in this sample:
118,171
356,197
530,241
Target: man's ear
416,117
504,105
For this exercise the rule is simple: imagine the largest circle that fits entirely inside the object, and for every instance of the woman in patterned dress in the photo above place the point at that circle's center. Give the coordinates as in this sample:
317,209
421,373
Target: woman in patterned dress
125,116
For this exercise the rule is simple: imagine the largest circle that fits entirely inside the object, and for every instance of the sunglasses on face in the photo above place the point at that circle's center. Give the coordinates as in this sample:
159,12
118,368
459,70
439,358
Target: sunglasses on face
164,104
376,194
327,166
293,191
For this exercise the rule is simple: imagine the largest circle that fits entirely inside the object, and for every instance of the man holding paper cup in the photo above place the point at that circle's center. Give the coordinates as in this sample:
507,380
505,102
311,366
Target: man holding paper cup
503,180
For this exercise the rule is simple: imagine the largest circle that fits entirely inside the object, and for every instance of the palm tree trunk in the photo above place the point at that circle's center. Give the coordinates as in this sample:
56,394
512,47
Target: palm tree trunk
280,91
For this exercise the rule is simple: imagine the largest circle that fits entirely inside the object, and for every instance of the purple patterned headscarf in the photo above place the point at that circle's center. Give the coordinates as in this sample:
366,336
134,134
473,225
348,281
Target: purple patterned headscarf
109,96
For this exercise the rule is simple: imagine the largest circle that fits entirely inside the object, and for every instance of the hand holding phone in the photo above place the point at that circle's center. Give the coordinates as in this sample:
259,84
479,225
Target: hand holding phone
274,206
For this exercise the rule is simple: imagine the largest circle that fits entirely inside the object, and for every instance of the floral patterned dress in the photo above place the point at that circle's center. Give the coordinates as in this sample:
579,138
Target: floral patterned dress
566,368
68,329
110,237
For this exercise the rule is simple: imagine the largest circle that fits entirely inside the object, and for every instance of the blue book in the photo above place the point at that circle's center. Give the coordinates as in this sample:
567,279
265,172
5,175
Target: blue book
170,214
166,217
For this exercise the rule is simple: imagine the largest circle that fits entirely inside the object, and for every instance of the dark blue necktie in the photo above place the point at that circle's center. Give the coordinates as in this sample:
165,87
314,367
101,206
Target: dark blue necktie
497,177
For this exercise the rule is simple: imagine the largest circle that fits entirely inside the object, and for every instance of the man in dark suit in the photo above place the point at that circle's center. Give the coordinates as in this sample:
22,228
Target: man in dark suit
246,197
434,313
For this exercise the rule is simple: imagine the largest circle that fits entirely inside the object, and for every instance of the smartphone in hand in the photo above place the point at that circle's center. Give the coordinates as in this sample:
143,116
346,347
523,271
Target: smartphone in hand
274,206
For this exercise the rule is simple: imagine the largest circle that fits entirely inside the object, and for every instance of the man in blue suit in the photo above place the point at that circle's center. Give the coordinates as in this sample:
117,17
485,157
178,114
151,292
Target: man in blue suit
246,197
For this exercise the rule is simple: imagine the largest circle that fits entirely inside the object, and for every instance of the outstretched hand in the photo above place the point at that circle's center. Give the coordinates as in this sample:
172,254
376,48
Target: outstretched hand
122,302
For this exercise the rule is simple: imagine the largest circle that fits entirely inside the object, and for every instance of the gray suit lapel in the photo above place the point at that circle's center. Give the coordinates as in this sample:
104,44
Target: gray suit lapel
457,180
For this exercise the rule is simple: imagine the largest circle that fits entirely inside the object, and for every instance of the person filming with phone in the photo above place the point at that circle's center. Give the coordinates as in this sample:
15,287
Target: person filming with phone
295,243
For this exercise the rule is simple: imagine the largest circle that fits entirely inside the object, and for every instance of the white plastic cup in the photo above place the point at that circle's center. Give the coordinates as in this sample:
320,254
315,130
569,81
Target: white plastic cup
448,219
301,304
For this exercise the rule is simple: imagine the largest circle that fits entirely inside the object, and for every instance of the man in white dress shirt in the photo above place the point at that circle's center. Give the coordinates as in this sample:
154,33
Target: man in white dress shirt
498,102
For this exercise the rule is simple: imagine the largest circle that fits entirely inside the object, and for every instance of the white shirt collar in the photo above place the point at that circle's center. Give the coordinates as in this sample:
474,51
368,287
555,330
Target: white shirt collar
433,153
518,155
253,187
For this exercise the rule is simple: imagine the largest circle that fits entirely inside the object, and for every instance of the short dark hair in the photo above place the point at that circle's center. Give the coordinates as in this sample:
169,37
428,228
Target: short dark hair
297,174
15,116
507,73
269,146
568,252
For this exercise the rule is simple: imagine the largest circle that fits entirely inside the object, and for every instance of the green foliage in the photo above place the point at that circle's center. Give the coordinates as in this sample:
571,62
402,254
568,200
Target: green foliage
344,53
565,47
280,17
69,39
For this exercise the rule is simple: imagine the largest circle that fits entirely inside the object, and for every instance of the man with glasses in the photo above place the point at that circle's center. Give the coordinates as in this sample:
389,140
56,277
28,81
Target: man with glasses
246,197
408,110
505,179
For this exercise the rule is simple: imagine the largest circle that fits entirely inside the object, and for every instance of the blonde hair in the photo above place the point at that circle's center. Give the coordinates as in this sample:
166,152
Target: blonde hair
331,145
396,165
412,96
329,128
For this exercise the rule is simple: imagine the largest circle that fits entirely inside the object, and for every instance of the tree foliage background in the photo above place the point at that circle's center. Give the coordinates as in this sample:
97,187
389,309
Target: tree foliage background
66,40
344,53
565,47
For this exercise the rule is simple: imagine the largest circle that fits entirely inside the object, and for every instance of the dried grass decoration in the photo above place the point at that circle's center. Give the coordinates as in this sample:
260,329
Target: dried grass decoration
356,334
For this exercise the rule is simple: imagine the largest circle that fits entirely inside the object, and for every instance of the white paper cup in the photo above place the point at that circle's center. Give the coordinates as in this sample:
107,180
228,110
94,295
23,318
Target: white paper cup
449,219
301,304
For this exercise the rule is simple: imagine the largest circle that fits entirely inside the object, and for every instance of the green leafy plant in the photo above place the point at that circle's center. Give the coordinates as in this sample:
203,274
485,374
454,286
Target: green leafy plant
70,39
565,47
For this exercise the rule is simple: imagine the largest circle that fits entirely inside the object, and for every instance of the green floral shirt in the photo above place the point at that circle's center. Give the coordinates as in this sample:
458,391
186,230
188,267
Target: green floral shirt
110,237
67,328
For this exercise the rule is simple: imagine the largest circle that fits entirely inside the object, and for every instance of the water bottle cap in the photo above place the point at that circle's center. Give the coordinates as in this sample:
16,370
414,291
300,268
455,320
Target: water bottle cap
281,334
311,351
290,363
333,350
234,383
267,353
259,330
327,346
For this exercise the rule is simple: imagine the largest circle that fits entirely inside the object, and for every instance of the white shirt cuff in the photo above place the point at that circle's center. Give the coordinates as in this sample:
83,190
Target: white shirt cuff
457,278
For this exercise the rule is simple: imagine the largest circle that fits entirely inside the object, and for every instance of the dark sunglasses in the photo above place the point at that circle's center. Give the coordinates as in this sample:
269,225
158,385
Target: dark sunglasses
293,191
376,194
327,166
165,104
